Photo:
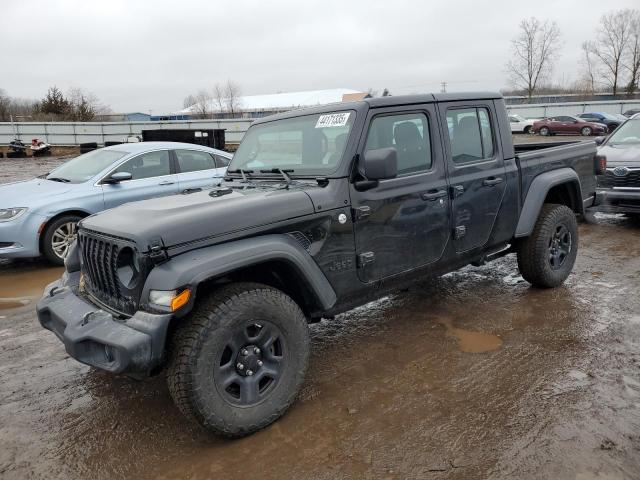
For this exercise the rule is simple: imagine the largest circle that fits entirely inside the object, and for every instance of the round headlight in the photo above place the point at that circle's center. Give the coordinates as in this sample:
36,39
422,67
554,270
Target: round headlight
128,267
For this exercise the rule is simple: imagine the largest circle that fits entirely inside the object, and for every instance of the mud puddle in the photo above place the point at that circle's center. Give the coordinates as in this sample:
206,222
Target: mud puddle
470,341
20,288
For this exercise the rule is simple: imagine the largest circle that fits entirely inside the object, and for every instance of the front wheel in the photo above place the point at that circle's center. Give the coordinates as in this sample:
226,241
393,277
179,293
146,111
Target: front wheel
586,131
546,257
58,237
239,360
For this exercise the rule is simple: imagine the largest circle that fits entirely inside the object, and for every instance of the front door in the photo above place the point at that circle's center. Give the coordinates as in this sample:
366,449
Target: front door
403,223
476,171
151,176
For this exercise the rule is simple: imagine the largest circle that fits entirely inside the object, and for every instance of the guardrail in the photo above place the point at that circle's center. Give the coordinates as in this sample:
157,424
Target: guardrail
75,133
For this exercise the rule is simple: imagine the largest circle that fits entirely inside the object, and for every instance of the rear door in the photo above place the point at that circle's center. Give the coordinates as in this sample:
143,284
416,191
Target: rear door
152,176
403,223
476,169
197,169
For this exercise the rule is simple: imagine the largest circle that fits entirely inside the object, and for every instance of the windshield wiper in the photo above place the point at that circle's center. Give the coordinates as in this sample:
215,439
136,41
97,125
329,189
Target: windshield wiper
282,172
241,172
58,179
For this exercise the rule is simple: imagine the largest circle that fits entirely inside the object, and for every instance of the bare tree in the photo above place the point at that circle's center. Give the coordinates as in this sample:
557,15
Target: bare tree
227,97
632,60
611,43
188,101
232,97
84,105
534,50
201,106
588,67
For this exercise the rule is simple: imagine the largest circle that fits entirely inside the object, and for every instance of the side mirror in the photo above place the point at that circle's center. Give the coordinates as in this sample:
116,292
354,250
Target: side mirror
600,140
118,177
380,164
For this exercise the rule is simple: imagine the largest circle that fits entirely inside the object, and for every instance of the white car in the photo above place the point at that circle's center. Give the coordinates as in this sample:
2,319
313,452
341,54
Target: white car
520,124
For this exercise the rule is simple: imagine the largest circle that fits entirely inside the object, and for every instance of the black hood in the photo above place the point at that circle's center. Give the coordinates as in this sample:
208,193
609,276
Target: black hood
621,155
183,218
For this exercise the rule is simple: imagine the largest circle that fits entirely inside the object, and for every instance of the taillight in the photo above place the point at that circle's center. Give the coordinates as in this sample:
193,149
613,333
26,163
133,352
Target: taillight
601,164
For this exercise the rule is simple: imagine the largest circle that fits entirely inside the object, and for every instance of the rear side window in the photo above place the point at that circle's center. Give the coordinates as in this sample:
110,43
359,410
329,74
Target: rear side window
221,161
408,134
147,165
470,134
194,161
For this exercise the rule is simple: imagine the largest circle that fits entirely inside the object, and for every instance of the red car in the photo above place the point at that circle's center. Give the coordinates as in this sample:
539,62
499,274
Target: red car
565,125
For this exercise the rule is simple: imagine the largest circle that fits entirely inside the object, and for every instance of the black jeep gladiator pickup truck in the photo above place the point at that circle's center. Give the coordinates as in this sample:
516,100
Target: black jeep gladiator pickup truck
322,210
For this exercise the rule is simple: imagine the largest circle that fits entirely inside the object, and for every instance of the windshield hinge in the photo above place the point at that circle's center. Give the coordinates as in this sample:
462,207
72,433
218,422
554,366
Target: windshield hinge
157,251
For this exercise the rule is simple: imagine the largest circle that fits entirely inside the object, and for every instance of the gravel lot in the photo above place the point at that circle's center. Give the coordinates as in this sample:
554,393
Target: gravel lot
470,376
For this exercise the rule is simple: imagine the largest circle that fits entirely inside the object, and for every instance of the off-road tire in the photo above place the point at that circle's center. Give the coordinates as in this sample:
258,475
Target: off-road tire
533,251
46,246
200,340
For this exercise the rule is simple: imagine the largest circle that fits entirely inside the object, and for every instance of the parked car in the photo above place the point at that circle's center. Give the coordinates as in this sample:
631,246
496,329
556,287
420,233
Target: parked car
322,210
39,216
632,112
611,121
566,125
621,181
520,124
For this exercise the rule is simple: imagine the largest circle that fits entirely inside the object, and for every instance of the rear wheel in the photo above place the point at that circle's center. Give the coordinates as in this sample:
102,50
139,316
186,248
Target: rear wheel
585,131
612,127
238,362
544,131
527,129
546,257
58,237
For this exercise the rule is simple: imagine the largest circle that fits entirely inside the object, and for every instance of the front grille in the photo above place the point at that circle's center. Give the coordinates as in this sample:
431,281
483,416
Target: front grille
609,180
99,265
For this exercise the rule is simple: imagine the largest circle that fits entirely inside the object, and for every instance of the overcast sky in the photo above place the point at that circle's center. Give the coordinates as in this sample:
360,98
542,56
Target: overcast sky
148,55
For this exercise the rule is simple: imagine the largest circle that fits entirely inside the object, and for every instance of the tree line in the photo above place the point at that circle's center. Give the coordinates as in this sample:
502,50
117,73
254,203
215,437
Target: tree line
610,60
76,105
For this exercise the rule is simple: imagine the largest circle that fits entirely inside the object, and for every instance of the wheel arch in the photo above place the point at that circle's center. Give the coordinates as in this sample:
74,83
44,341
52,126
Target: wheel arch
48,222
561,186
276,260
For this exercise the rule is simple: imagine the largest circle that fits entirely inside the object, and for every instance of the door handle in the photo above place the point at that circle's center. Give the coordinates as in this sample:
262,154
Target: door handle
432,195
491,181
166,182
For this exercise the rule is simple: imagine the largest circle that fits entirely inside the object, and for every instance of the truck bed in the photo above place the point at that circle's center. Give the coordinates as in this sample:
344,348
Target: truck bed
536,158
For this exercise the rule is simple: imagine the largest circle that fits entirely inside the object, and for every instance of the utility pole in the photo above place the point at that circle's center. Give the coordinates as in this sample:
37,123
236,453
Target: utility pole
443,87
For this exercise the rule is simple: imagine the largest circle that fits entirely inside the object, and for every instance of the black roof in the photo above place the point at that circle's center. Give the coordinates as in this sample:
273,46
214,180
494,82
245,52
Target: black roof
383,102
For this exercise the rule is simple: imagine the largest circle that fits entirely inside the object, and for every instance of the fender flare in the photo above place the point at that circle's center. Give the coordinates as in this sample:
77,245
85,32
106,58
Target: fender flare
196,266
538,190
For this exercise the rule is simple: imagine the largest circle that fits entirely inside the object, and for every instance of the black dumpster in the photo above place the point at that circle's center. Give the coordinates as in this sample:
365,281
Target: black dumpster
211,138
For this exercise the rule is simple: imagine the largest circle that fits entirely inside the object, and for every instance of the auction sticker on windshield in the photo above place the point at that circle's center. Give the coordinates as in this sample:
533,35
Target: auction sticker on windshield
333,120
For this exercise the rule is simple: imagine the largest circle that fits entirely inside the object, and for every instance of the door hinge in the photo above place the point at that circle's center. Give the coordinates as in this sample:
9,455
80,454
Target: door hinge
361,212
459,232
456,191
365,258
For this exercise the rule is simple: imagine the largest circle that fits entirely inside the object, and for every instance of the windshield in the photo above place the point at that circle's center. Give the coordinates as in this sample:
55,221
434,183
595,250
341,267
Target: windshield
86,166
626,134
306,145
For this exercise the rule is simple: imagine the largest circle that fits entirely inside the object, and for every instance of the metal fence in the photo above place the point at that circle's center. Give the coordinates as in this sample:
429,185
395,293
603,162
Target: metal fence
541,110
75,133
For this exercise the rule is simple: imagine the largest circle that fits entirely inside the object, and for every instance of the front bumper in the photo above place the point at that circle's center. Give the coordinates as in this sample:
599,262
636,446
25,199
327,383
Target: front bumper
19,237
93,336
620,201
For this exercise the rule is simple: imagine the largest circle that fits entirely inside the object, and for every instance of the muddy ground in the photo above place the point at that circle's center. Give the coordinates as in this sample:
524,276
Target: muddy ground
470,376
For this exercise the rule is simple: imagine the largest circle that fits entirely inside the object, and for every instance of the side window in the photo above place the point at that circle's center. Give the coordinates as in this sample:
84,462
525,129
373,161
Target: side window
222,161
471,137
147,165
408,134
194,161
